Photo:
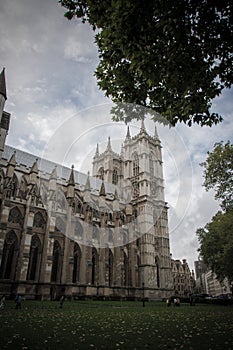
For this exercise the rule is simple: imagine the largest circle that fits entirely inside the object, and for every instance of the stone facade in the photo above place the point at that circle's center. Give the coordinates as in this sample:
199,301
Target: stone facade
66,233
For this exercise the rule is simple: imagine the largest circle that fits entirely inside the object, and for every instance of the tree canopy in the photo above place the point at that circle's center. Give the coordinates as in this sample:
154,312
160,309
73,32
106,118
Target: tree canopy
173,57
216,244
218,172
216,238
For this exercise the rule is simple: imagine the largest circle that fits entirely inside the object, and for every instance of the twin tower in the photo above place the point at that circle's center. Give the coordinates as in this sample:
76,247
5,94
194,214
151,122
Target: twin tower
104,236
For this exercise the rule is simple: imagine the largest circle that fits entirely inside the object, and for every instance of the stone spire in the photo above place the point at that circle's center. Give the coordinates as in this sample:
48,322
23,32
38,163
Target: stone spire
71,184
53,179
34,168
156,133
11,166
128,133
97,151
88,184
3,84
102,190
71,179
53,175
143,129
116,201
34,172
109,147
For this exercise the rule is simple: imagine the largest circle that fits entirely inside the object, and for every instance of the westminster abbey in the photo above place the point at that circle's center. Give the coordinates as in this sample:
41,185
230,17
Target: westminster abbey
63,232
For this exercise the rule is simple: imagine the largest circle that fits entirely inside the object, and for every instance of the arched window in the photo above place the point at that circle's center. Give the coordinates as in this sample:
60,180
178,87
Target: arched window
135,165
23,188
110,268
60,225
101,173
115,177
15,216
76,266
94,272
151,165
1,180
56,266
9,256
125,276
39,221
78,230
138,271
34,257
61,199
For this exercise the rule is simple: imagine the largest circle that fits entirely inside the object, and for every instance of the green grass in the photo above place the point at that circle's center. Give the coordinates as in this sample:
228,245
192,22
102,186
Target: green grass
115,325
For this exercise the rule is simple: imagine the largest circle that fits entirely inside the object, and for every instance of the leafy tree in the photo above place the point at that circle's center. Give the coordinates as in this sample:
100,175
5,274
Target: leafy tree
218,172
216,244
171,56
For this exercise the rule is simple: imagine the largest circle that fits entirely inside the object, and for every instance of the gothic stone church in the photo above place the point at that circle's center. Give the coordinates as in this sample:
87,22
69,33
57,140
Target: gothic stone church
66,233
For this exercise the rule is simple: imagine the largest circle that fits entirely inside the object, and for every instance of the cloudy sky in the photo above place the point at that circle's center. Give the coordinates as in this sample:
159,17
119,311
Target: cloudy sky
58,112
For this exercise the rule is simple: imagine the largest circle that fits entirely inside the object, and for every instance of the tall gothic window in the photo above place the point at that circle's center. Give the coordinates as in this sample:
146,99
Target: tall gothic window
60,224
151,165
135,165
1,180
34,257
157,272
76,266
9,256
39,221
56,262
15,216
94,272
115,177
125,276
101,174
110,268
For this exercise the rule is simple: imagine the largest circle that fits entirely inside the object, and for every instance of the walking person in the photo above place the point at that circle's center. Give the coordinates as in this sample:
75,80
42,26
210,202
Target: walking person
18,301
2,303
61,301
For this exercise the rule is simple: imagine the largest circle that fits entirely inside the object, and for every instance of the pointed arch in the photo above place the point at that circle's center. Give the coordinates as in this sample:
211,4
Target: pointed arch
60,224
125,272
15,216
110,267
23,187
9,256
151,165
39,220
135,164
34,258
61,199
57,262
77,255
101,173
115,176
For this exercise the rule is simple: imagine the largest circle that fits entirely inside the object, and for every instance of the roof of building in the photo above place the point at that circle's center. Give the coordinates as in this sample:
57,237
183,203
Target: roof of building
46,167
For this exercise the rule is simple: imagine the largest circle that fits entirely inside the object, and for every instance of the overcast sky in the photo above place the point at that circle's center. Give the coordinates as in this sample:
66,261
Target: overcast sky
58,112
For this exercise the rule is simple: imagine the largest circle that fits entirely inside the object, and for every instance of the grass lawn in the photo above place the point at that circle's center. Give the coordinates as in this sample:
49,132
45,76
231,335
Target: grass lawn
115,325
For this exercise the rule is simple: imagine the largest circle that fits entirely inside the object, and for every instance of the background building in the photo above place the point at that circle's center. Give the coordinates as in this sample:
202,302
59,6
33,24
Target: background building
183,279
